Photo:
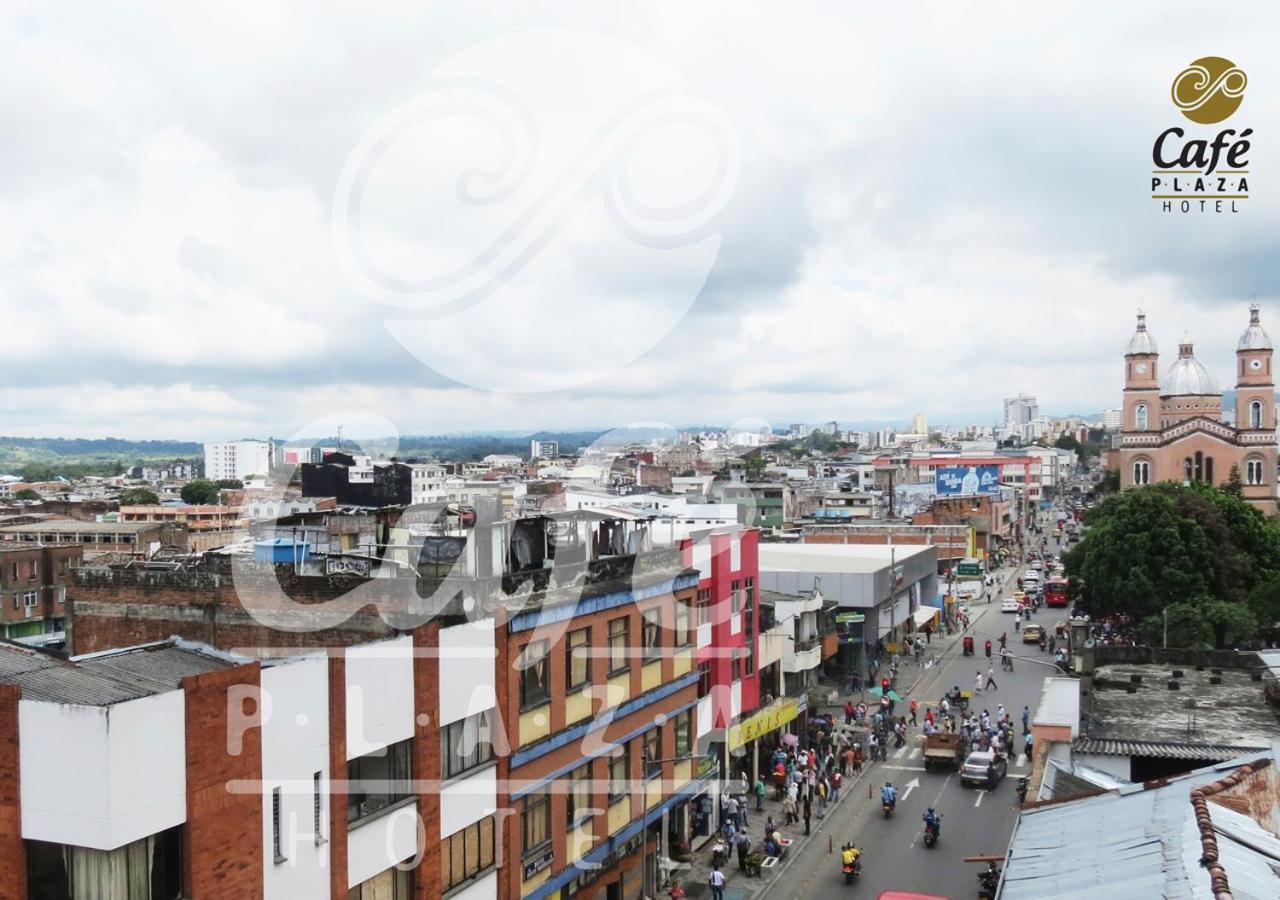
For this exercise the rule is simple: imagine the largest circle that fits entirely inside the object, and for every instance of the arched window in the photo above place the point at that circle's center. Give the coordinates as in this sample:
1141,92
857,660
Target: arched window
1208,469
1253,471
1142,472
1255,414
1140,417
1197,471
1188,470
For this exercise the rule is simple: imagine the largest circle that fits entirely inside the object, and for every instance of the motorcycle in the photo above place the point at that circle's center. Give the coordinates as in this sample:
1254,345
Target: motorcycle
851,871
930,834
1023,784
988,881
887,806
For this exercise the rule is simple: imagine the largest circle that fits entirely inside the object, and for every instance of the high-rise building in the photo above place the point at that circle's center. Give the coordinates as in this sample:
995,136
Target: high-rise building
543,449
237,459
1112,419
919,424
1020,410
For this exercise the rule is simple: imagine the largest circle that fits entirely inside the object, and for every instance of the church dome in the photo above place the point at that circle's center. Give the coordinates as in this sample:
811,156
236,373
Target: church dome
1255,337
1187,375
1142,342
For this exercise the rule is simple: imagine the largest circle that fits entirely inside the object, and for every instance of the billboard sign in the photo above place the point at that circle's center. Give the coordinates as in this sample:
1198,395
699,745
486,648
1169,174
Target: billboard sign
964,480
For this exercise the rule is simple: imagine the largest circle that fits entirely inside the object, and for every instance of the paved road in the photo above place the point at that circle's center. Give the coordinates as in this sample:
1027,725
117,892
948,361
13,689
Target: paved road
975,822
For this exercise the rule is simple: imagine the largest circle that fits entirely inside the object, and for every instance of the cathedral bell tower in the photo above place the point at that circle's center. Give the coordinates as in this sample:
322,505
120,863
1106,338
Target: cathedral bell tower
1141,381
1255,383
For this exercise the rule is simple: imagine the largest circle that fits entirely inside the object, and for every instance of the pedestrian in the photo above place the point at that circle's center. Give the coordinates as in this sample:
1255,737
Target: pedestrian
848,712
822,798
760,794
808,811
731,809
977,683
1017,622
743,847
914,707
1026,718
991,680
1026,743
717,883
789,809
837,780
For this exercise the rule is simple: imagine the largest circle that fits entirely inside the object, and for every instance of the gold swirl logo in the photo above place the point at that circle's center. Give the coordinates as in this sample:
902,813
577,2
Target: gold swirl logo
1209,90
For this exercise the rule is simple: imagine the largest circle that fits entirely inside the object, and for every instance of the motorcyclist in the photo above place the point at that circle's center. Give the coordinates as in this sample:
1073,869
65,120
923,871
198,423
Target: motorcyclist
849,855
889,794
934,821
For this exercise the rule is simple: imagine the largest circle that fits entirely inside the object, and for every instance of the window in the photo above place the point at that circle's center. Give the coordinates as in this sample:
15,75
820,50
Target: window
749,657
653,753
578,657
1140,417
684,623
735,597
1142,472
465,744
750,594
29,599
578,799
534,675
736,664
377,780
652,634
704,606
619,773
536,818
1255,414
466,853
391,884
317,806
62,595
684,733
1253,471
619,638
277,845
704,679
148,869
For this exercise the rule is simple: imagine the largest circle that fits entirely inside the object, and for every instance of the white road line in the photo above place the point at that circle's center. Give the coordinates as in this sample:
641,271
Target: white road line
897,754
915,751
905,768
977,801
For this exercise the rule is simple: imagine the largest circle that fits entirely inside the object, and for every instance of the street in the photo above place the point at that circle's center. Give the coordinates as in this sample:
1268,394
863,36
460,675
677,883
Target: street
975,822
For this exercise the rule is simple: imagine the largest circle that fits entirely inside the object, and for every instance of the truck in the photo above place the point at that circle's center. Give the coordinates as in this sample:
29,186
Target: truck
941,749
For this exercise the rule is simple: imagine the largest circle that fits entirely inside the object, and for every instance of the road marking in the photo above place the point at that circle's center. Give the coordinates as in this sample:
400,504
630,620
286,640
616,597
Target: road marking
915,751
905,768
977,801
897,754
910,786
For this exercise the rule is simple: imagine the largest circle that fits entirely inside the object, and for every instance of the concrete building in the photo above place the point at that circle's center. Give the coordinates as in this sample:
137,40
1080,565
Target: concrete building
920,424
1019,411
543,449
33,590
428,483
237,460
1174,428
1112,419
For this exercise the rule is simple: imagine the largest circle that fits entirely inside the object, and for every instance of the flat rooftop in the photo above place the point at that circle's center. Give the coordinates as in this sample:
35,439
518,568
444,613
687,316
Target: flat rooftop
852,559
73,526
1233,713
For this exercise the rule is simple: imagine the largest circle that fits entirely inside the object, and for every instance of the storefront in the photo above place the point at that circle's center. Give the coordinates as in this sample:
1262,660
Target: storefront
756,737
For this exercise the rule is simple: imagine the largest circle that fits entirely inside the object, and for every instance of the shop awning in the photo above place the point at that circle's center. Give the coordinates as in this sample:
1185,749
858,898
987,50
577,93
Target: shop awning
924,615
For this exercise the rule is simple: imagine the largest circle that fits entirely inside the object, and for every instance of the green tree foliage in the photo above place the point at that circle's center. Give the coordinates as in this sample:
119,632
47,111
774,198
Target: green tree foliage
1110,483
201,491
231,483
38,472
139,497
27,494
1234,485
1202,552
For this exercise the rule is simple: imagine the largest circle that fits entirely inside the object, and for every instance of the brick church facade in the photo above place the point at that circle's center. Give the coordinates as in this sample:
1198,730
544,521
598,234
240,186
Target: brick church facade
1173,425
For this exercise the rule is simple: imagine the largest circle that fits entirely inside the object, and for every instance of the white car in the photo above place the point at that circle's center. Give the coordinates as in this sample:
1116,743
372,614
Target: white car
1008,604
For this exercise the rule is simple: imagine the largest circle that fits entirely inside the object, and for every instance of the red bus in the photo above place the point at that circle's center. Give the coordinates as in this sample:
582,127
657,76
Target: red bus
1055,591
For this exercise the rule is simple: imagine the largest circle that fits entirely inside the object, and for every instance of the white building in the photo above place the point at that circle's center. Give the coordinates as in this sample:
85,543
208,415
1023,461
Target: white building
1020,410
236,460
544,449
428,484
1112,419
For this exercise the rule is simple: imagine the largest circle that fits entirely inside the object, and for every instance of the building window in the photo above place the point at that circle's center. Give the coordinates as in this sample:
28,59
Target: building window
578,800
1253,471
1140,417
704,679
1142,472
749,657
619,773
535,672
684,733
735,597
653,753
29,599
537,821
148,869
684,623
619,639
652,634
704,606
391,884
736,664
277,842
577,650
377,780
465,744
317,806
1255,414
466,853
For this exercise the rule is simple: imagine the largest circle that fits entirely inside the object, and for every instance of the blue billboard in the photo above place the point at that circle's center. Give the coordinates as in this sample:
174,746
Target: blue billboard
955,480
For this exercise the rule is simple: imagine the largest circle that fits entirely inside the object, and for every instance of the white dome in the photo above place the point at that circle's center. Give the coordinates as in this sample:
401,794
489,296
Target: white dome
1255,337
1188,376
1142,342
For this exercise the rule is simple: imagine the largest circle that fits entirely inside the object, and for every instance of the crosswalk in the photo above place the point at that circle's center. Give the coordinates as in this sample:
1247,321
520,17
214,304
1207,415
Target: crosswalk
1020,765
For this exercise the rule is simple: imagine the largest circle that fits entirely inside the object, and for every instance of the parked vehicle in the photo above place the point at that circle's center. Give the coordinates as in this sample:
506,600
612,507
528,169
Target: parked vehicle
984,768
943,750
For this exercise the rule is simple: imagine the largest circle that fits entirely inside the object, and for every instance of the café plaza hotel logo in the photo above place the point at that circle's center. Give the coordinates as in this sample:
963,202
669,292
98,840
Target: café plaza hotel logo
1196,169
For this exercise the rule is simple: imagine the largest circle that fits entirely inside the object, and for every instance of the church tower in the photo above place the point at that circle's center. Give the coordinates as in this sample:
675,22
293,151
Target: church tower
1141,382
1255,384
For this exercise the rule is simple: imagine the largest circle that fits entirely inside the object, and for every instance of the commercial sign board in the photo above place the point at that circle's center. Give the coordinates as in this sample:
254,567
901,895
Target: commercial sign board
850,618
969,568
763,722
964,480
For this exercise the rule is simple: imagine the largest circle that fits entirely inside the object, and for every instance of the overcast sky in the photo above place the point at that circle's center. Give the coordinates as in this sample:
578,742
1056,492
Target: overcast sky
850,215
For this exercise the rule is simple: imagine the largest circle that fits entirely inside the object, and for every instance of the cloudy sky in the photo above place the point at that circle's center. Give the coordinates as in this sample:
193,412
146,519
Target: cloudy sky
253,220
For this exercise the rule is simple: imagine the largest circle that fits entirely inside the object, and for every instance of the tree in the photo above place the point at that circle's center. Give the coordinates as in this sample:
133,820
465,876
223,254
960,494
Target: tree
230,483
1110,483
139,497
27,494
36,472
200,492
1234,485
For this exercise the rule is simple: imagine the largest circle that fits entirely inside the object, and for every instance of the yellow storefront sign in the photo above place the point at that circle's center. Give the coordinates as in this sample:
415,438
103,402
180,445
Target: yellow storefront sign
762,722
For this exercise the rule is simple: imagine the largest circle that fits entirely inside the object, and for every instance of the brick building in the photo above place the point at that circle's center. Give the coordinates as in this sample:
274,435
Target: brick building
1174,428
33,590
139,539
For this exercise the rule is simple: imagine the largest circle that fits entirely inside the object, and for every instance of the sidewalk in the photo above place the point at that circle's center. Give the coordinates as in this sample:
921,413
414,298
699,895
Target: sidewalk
739,886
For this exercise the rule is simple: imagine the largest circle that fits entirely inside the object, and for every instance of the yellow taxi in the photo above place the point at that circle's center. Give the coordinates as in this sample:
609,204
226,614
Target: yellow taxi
1031,634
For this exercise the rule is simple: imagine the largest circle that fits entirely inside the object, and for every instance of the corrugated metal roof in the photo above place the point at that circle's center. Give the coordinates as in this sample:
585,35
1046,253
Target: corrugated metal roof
106,679
1162,749
1147,846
